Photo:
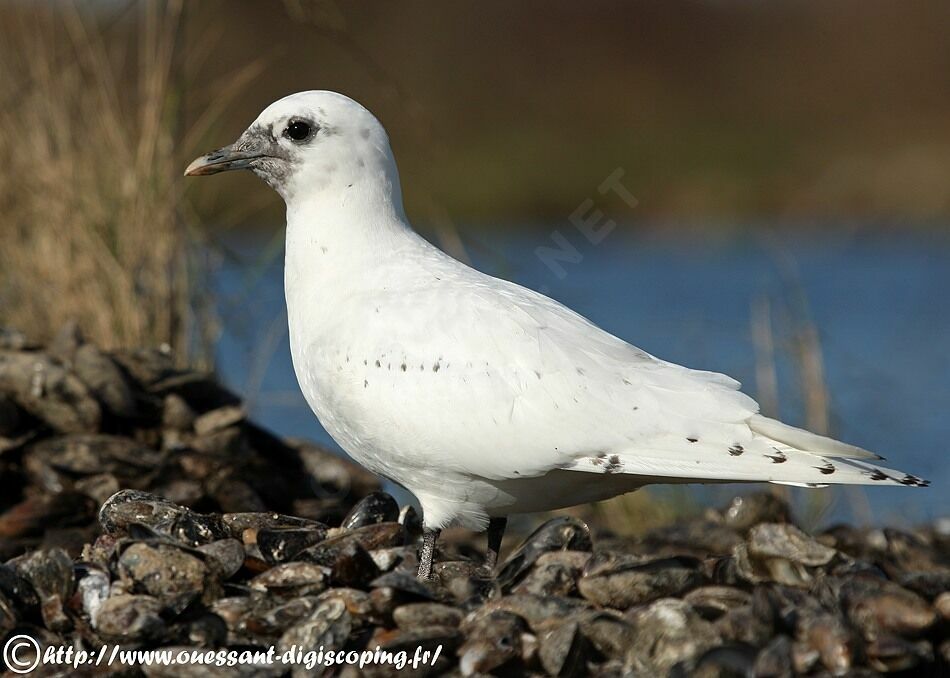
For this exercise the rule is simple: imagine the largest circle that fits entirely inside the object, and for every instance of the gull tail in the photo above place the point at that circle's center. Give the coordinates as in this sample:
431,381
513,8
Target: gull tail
840,462
763,450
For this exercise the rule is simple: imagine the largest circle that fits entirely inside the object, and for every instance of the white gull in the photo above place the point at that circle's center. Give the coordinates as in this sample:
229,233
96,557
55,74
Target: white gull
479,396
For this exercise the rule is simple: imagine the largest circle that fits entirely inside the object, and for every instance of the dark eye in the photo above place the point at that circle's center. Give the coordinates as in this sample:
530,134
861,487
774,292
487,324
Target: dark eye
298,130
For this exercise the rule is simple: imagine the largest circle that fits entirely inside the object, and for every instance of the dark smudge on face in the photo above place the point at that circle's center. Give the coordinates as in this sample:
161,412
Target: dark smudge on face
276,165
273,171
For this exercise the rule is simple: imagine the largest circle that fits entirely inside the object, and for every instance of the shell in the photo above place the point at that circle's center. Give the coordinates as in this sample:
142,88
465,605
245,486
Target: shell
50,573
558,534
492,641
374,508
130,618
620,581
176,578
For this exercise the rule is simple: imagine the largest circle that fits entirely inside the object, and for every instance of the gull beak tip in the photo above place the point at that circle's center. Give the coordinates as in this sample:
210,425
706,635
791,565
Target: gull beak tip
222,160
196,166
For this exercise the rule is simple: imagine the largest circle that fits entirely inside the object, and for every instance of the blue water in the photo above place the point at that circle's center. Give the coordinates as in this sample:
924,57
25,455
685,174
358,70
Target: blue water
880,306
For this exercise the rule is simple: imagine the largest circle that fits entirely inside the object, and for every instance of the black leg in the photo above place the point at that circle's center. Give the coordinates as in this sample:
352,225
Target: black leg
429,538
496,530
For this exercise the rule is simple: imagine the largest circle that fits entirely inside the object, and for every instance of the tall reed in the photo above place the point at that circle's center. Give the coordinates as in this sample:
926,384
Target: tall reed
94,226
89,225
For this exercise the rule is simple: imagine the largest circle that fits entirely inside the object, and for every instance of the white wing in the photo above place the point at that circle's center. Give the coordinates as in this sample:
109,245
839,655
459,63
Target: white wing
485,378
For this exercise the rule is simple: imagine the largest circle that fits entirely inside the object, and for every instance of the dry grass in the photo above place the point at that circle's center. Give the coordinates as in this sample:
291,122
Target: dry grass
803,349
93,222
89,227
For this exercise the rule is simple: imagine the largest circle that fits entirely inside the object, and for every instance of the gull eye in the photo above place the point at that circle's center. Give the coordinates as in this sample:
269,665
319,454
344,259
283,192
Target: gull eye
298,130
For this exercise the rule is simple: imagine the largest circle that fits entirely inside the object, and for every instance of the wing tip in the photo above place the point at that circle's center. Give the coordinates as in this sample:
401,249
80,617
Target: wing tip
806,441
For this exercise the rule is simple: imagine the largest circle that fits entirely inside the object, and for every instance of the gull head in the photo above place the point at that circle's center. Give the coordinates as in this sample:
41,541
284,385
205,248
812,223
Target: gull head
311,144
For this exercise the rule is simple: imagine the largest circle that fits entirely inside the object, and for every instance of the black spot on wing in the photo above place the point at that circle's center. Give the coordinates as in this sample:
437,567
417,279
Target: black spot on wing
613,464
878,474
693,440
827,468
777,458
913,481
736,450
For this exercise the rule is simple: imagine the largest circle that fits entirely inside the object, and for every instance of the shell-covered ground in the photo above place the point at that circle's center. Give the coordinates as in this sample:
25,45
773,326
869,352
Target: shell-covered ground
139,507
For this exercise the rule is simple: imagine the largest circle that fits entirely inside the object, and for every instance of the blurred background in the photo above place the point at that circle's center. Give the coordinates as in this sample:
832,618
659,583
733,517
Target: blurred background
784,214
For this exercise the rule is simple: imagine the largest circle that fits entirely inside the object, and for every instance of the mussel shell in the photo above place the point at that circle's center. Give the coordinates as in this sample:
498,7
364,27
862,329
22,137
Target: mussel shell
281,544
563,533
328,626
620,582
225,557
50,573
491,641
167,572
369,537
785,541
374,508
128,507
418,615
130,618
564,651
291,580
668,631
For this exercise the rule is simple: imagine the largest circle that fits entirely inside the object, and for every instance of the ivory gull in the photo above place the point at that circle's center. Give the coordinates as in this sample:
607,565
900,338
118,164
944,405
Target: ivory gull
479,396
